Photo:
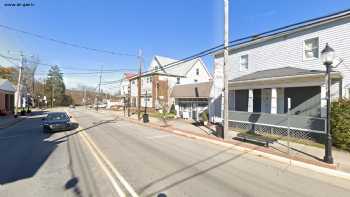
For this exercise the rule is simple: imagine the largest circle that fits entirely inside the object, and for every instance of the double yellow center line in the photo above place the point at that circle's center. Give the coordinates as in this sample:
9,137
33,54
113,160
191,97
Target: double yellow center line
107,166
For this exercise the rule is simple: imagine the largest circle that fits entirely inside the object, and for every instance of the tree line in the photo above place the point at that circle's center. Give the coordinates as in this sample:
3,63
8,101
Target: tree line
52,87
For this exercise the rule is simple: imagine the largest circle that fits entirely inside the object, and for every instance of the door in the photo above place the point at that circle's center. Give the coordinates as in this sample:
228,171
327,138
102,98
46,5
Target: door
266,100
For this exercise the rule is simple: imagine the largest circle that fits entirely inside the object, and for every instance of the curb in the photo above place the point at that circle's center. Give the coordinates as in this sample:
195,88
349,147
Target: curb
323,170
11,123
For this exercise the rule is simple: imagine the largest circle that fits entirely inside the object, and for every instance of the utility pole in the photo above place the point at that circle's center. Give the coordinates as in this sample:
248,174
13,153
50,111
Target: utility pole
99,88
129,97
139,85
84,97
225,68
52,94
19,84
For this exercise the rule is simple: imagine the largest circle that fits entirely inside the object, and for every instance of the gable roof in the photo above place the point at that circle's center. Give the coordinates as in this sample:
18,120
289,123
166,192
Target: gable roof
286,30
277,72
129,75
178,69
193,90
6,85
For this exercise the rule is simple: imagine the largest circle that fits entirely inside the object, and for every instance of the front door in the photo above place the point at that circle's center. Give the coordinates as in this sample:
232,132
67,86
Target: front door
266,100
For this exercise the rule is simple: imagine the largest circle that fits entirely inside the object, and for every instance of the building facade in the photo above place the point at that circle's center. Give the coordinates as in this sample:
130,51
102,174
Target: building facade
7,94
163,74
191,99
280,73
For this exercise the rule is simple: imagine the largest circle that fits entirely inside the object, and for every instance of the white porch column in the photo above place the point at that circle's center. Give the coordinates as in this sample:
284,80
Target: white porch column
177,108
323,101
273,101
250,100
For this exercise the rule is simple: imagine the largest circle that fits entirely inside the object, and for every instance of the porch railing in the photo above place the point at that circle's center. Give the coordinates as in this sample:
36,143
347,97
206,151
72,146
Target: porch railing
254,120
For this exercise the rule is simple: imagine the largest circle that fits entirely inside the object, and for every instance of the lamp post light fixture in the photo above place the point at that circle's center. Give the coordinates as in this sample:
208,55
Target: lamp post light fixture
328,56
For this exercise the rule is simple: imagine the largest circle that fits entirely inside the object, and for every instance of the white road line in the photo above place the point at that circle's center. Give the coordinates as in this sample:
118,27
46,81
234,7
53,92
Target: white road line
110,165
99,156
104,168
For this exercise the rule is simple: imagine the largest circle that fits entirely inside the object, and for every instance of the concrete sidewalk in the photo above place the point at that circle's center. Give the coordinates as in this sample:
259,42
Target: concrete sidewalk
300,152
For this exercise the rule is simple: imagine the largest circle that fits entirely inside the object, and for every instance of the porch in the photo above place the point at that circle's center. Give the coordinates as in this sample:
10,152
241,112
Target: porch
273,101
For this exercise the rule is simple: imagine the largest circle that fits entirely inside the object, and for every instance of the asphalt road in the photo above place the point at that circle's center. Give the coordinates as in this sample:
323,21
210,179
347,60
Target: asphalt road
154,162
34,164
150,162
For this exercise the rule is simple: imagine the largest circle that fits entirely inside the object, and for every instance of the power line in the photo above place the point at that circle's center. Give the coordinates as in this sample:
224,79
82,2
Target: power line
42,37
66,67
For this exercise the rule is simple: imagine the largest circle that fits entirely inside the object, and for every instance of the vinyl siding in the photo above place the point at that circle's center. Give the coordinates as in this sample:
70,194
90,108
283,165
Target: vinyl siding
288,51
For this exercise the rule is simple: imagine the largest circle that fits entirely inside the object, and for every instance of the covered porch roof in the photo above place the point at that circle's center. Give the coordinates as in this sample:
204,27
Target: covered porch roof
281,77
6,86
194,90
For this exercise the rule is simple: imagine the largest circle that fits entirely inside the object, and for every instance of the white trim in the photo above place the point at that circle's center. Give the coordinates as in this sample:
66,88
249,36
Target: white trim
318,47
242,69
273,101
250,100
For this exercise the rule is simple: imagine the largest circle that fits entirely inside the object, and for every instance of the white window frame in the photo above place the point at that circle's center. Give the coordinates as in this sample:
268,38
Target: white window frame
318,49
241,67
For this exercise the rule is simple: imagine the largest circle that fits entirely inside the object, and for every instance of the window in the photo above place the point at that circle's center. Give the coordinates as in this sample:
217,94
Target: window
311,50
244,63
197,71
133,82
195,80
178,80
150,79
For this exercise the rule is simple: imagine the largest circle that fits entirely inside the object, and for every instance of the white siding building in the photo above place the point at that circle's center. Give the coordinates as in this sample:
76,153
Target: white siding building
163,74
267,69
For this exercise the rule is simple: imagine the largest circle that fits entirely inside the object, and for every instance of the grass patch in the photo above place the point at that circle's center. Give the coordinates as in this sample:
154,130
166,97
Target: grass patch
282,138
168,116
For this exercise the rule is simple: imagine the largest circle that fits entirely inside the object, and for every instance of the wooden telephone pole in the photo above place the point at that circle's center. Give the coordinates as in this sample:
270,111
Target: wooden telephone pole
139,85
99,89
18,96
225,69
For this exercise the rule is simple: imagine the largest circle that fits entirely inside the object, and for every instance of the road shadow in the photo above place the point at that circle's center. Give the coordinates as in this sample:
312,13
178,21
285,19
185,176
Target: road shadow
75,126
298,151
24,149
166,187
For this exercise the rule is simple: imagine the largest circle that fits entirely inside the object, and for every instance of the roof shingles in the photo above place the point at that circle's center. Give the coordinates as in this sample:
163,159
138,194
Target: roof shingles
278,72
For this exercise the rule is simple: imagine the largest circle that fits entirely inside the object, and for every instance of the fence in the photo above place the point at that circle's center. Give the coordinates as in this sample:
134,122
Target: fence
302,127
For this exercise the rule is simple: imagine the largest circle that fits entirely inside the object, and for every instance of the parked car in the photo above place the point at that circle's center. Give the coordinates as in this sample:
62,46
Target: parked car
56,121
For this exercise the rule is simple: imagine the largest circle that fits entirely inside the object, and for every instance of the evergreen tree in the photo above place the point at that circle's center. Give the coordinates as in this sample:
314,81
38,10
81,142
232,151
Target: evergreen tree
55,87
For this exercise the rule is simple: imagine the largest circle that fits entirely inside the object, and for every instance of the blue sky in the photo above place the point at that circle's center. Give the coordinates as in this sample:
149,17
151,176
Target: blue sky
170,28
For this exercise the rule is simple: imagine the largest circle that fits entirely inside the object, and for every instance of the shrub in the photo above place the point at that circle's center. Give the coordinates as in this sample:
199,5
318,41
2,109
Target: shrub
204,116
172,109
340,123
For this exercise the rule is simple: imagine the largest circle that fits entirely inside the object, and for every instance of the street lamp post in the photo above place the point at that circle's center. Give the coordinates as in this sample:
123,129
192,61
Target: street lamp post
328,56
